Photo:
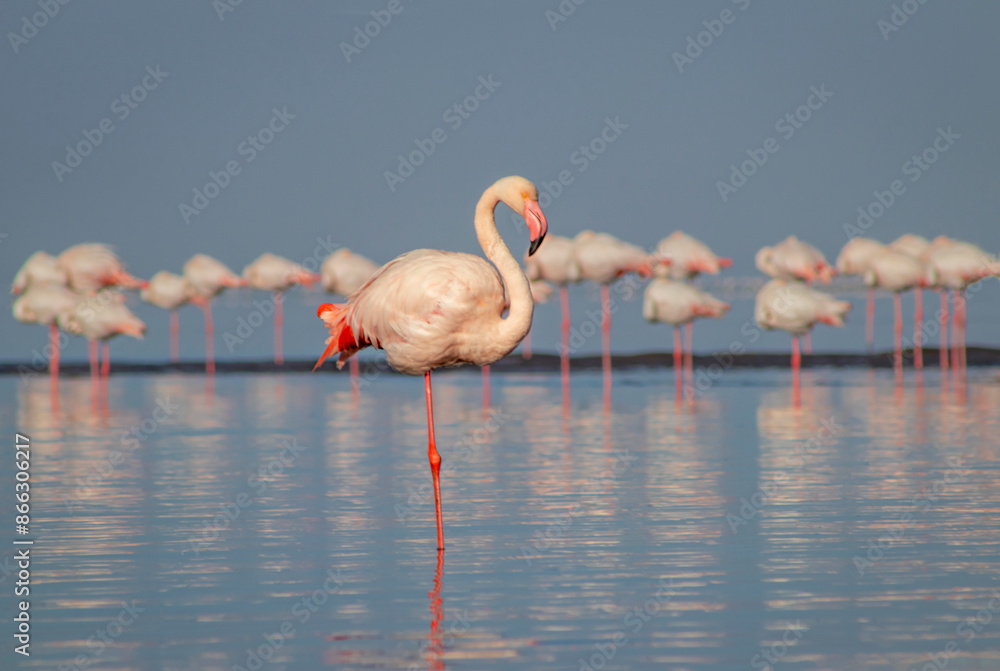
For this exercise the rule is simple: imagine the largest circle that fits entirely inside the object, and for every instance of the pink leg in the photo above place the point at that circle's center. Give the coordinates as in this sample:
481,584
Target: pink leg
897,352
209,338
943,340
606,332
486,387
870,318
435,459
526,347
796,366
279,318
961,309
54,346
564,355
94,375
688,355
174,336
918,334
954,329
678,366
355,372
106,363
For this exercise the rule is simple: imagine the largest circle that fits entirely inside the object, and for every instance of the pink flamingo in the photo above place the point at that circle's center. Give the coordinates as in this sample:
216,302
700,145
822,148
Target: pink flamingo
796,308
602,259
90,267
793,259
168,291
677,304
344,272
556,263
897,272
429,308
958,264
270,272
40,268
100,318
855,259
42,304
206,278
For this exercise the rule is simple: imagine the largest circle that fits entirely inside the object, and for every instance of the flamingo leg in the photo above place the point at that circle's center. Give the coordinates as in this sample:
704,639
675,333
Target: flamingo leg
796,365
106,363
434,458
279,318
943,339
918,333
486,387
564,354
678,368
209,338
688,354
965,315
94,380
897,352
174,336
355,372
870,318
606,333
54,346
955,318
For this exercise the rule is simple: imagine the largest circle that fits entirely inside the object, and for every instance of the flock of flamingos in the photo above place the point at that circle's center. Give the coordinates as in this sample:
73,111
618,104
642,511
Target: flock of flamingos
430,308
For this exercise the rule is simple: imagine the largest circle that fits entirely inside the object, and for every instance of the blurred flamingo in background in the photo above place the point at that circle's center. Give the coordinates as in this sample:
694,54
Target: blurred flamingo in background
793,259
168,291
90,267
602,259
897,272
206,278
918,247
429,308
855,258
42,304
677,304
344,272
40,268
270,272
796,308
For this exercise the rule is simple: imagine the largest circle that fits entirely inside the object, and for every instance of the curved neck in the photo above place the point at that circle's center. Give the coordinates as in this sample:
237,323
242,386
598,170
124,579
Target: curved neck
512,329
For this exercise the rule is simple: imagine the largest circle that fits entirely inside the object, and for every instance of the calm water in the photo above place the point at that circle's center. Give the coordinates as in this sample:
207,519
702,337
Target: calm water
277,522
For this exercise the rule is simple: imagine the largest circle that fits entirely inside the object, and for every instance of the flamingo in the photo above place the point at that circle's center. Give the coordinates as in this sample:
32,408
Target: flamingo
344,272
100,318
270,272
206,278
919,247
958,264
897,272
793,259
796,308
604,258
91,266
677,304
687,257
168,291
429,308
855,259
42,304
556,263
40,268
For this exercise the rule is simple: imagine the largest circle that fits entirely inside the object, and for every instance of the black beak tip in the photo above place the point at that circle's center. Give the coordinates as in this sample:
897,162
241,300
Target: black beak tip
535,244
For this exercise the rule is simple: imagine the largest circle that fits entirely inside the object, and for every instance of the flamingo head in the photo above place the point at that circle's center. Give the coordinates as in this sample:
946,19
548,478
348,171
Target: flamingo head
521,195
537,225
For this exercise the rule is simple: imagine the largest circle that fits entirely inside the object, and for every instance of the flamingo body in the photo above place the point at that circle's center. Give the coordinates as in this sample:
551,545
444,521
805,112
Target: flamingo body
677,303
793,259
40,268
166,290
90,267
687,257
344,272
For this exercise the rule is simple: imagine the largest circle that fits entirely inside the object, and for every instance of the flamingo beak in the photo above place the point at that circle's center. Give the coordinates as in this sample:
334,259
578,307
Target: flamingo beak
537,225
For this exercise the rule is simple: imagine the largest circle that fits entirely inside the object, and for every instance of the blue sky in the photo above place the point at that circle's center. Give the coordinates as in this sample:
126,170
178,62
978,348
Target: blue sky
301,120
